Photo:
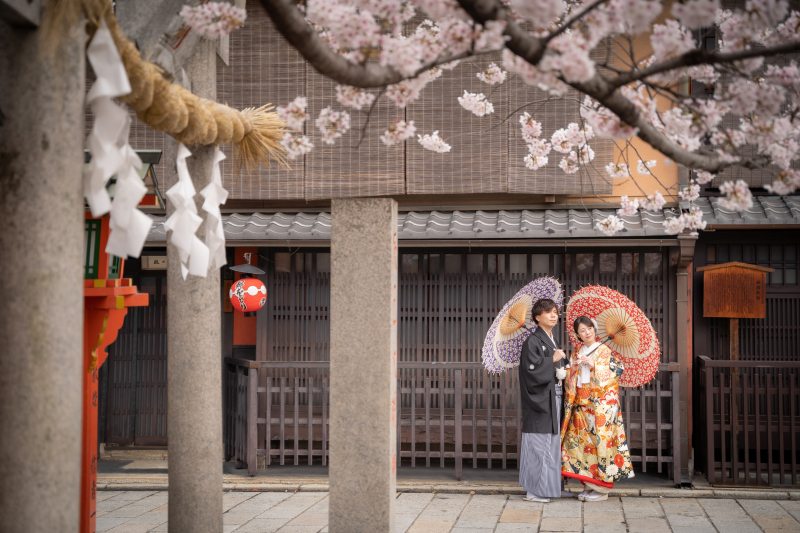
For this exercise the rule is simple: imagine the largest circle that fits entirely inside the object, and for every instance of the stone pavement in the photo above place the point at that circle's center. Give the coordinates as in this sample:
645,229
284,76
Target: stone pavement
301,512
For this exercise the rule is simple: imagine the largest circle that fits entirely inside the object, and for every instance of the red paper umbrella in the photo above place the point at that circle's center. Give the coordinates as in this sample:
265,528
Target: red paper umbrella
628,331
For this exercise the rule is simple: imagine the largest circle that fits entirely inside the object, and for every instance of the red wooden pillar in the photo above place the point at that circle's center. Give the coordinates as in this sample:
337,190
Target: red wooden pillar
106,303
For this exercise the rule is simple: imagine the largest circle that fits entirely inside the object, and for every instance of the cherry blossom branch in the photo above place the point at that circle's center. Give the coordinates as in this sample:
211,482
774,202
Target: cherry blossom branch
291,23
703,57
574,19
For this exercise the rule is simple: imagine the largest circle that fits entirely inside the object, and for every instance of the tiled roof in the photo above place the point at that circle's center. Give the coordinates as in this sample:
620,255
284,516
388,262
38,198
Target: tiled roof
526,224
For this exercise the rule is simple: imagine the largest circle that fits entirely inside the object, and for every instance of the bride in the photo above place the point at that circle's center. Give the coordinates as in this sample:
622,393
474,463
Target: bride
593,445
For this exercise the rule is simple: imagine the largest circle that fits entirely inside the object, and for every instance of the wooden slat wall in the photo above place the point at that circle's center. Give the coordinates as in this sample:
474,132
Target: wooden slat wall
347,169
263,69
479,157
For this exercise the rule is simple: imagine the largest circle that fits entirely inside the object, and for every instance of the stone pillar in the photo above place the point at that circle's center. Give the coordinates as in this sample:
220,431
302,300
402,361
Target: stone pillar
363,365
41,286
194,425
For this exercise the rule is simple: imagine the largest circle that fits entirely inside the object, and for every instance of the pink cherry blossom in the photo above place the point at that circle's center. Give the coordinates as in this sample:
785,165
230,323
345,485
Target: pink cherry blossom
398,131
702,177
540,13
696,14
628,207
569,164
690,193
476,103
561,141
785,183
585,154
737,196
670,40
354,97
531,129
296,146
294,114
643,167
332,124
653,202
693,220
674,225
213,19
492,75
617,170
535,162
609,225
433,142
539,147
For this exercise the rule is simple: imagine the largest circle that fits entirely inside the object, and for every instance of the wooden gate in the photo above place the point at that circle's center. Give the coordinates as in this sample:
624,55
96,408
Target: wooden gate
446,304
137,372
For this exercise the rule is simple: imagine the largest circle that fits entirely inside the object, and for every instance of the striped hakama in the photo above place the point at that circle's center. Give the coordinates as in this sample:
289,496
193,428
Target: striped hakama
540,463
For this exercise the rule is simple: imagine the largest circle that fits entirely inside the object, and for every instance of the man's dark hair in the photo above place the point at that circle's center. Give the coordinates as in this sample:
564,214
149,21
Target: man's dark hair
545,305
585,321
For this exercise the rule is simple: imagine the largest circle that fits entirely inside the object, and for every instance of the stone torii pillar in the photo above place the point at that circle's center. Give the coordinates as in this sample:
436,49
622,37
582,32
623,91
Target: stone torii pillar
363,365
194,345
41,287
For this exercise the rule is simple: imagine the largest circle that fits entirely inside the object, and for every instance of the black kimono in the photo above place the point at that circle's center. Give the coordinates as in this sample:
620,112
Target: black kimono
540,451
537,382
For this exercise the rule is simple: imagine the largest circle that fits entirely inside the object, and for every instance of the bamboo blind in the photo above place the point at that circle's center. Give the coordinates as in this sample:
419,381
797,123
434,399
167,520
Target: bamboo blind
263,69
554,112
345,169
478,159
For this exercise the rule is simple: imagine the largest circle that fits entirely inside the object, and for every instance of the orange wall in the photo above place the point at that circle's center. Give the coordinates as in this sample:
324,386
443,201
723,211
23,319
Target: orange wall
244,328
665,177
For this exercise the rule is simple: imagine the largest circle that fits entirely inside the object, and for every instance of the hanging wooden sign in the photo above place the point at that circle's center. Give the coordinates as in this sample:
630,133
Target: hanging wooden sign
735,290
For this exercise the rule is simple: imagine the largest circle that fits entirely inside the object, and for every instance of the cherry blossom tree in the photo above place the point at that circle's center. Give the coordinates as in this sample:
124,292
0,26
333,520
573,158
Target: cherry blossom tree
549,44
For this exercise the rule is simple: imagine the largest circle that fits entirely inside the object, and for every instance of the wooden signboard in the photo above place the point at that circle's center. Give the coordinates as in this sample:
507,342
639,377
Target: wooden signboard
735,290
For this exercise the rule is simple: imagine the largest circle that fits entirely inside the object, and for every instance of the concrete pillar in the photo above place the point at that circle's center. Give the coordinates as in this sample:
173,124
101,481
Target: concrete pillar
41,286
363,365
194,426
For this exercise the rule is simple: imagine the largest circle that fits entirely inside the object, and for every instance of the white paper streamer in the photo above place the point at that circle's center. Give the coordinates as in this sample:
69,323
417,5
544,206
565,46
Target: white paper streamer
111,154
184,221
215,195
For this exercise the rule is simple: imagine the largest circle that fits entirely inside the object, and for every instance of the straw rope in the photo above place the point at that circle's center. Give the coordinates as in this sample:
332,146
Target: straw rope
168,107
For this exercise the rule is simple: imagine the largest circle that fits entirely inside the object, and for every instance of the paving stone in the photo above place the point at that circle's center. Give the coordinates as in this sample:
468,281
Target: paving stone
682,507
521,516
611,505
593,517
310,519
103,495
105,523
790,505
163,528
694,529
111,505
673,493
723,509
293,506
238,517
260,525
477,522
516,502
471,530
225,529
133,495
163,509
315,488
562,508
510,527
267,487
794,495
431,526
763,508
131,528
414,488
738,525
232,499
155,519
642,508
647,525
444,507
560,523
786,522
403,522
129,511
687,521
261,502
412,503
513,490
299,529
607,528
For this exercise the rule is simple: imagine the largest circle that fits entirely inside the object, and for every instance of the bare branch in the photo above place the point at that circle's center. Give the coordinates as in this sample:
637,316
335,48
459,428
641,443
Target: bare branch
703,57
574,19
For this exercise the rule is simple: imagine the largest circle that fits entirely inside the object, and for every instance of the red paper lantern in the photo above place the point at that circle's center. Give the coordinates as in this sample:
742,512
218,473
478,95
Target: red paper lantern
248,295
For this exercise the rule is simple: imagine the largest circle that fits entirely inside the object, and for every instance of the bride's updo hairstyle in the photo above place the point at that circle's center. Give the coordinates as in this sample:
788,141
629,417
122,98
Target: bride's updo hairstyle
583,321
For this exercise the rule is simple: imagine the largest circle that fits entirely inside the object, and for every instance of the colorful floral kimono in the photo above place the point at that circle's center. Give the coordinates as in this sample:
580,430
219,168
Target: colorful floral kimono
593,444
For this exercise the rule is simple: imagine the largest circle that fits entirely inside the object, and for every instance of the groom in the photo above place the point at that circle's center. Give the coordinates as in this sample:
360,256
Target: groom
540,454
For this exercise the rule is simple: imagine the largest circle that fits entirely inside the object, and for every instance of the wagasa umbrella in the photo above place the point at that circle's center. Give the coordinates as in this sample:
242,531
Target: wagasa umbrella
514,324
622,326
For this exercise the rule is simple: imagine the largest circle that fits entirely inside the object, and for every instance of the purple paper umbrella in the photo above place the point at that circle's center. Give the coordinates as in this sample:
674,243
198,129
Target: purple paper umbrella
514,324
